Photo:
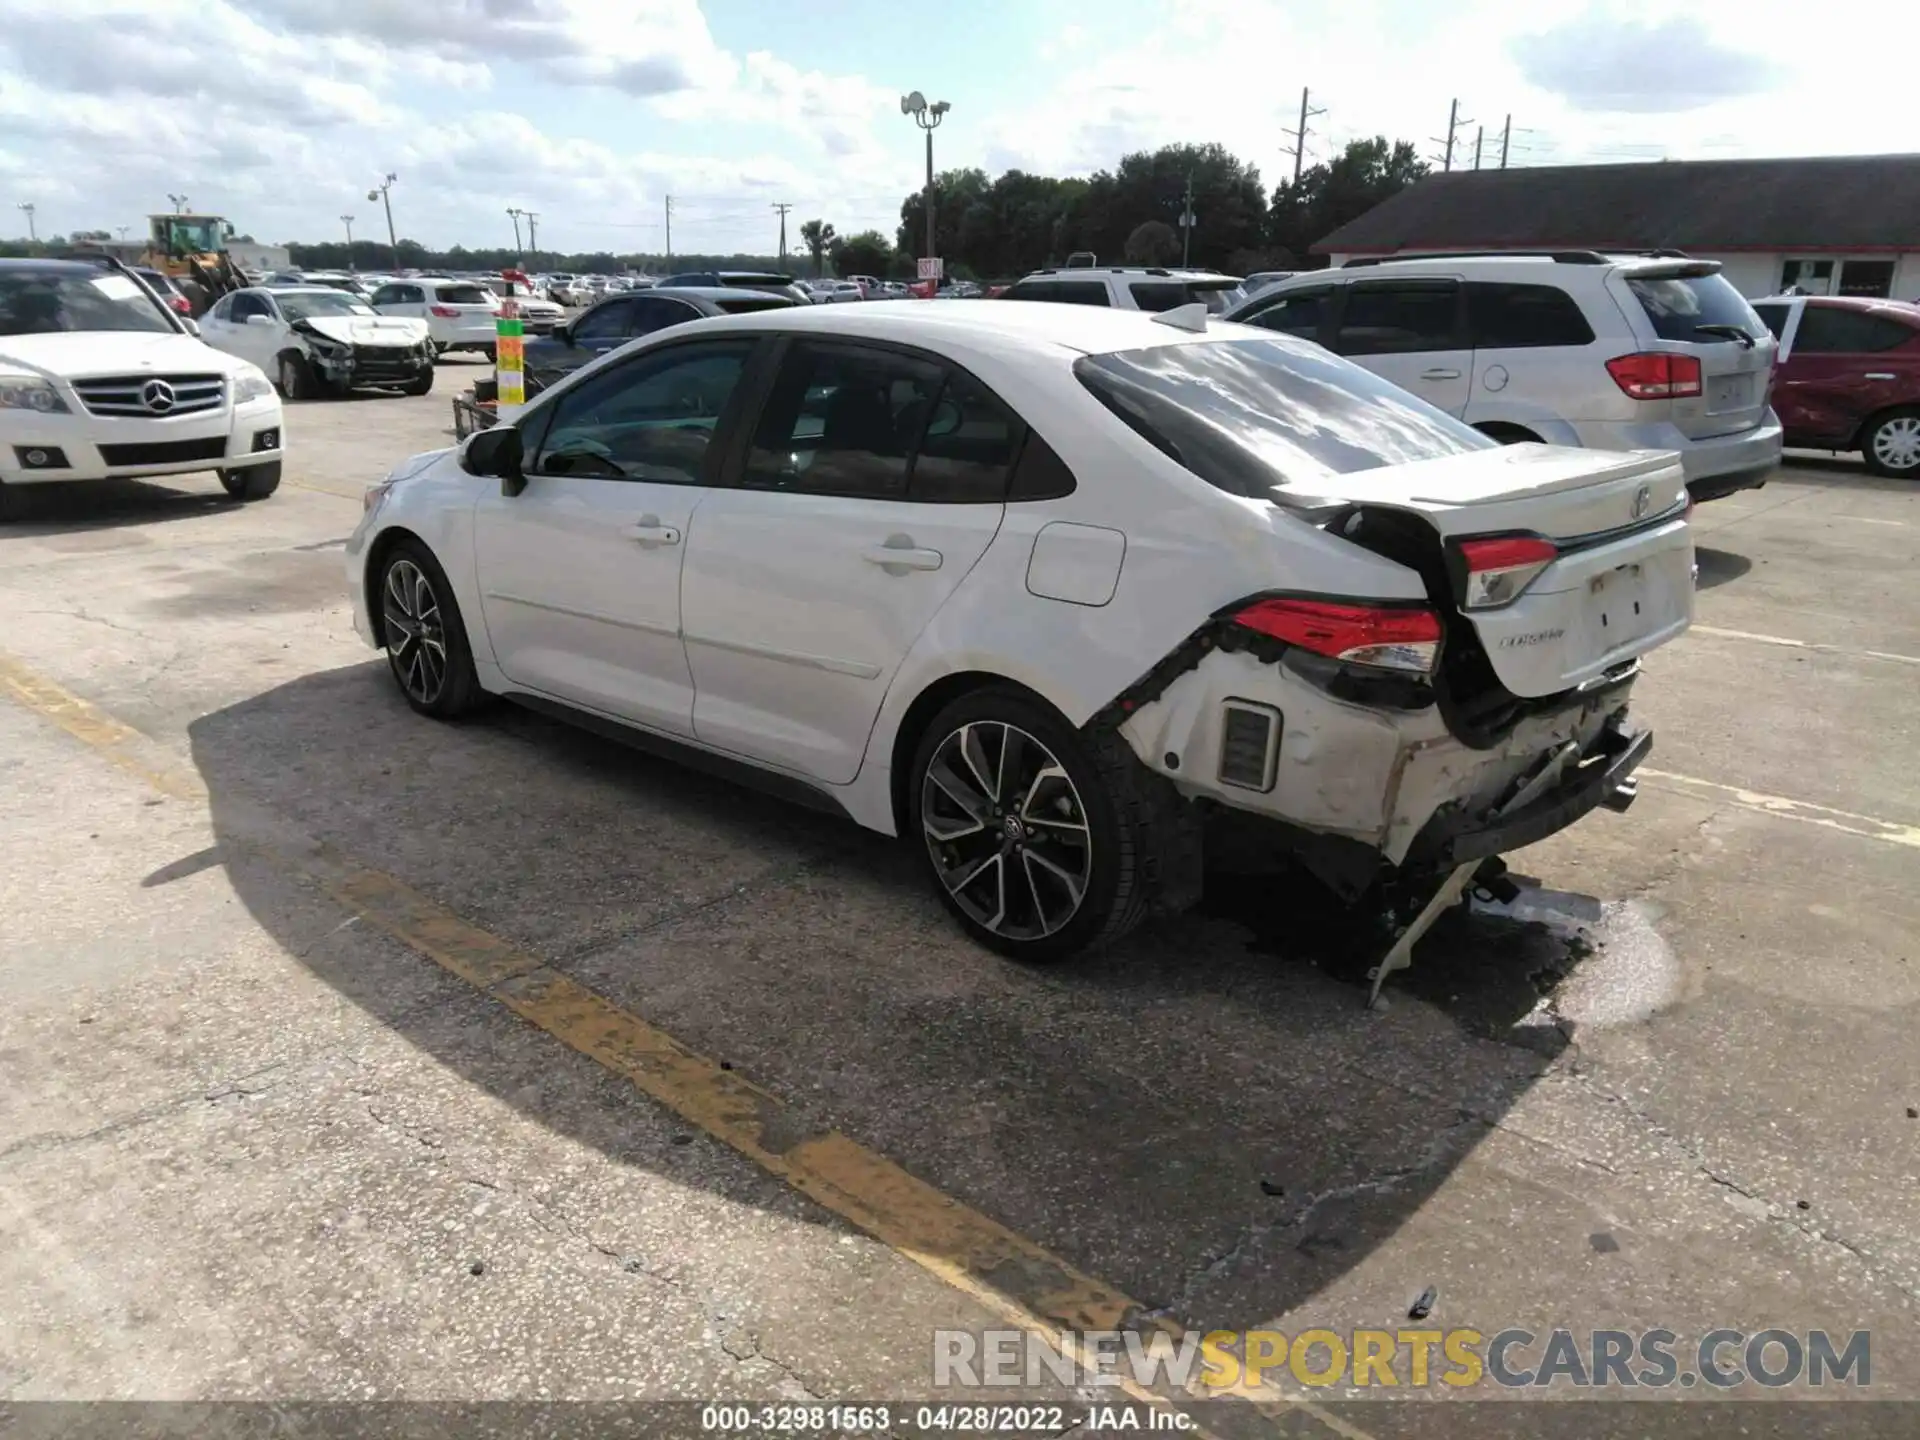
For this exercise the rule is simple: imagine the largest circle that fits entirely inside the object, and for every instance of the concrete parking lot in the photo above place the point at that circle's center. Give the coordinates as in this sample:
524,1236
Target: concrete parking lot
353,1057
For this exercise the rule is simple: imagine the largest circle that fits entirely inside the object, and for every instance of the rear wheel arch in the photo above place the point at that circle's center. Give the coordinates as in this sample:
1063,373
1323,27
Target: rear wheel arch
921,713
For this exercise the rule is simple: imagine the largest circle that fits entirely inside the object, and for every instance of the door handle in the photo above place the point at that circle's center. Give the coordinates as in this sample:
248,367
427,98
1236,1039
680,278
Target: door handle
1878,375
899,555
651,533
1439,374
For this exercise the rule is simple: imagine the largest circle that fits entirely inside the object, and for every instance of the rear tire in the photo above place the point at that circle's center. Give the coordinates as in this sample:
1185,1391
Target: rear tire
296,377
1891,445
1042,841
252,482
421,629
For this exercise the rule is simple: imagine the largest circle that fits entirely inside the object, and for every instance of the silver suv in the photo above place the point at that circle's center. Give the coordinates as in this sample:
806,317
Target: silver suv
1609,352
1129,287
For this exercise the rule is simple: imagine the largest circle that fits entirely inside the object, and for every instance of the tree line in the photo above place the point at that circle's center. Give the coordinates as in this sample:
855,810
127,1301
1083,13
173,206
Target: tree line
1003,227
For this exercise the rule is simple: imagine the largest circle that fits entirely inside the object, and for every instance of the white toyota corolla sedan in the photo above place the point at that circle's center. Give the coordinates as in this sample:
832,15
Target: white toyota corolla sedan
1040,588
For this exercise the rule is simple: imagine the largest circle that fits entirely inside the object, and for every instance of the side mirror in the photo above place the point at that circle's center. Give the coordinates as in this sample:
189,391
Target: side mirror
496,451
260,320
563,333
193,325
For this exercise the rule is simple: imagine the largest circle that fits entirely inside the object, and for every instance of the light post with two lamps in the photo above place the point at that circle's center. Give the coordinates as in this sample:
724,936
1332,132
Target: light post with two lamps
928,118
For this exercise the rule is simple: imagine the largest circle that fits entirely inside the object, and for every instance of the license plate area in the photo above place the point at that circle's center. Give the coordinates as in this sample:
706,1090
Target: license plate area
1623,605
1729,392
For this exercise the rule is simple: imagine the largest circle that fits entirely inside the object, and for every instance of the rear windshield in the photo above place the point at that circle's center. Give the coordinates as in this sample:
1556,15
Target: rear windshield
1251,416
1678,305
1162,295
745,304
464,294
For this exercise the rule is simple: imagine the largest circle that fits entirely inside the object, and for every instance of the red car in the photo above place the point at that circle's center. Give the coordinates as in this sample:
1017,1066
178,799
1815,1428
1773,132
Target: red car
1848,377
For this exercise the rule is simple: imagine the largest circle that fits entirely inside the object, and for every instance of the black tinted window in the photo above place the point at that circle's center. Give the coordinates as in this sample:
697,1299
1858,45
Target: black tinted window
1513,317
1250,416
1162,295
967,447
604,322
1385,319
245,305
1830,330
1033,290
842,420
1298,314
1678,305
654,312
1774,317
1082,292
464,294
650,419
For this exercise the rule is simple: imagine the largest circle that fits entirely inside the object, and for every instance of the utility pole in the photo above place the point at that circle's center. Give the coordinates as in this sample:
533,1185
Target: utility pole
1455,123
1479,139
379,192
1186,223
26,208
783,207
347,220
532,217
1299,147
669,232
1506,135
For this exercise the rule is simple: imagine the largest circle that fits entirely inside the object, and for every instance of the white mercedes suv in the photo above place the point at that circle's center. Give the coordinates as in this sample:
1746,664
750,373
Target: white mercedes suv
1043,587
99,380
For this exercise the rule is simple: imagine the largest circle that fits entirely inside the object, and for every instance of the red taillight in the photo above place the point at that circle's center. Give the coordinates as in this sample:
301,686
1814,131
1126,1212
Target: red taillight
1404,638
1501,567
1656,375
446,312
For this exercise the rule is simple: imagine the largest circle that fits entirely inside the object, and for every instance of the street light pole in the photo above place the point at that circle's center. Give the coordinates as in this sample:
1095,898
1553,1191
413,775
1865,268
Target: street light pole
533,234
26,208
347,220
379,192
928,118
516,212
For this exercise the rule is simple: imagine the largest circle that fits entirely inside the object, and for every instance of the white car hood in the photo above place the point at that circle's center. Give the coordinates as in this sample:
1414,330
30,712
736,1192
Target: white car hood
370,329
77,354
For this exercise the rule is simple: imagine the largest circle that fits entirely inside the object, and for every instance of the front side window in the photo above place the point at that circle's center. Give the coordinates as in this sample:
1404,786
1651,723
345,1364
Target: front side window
1083,292
656,312
1774,317
40,302
1400,318
387,295
843,420
650,419
1255,416
1297,314
604,322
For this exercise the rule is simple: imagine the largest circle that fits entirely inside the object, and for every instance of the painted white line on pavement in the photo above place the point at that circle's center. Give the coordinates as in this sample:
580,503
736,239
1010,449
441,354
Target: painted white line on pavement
1792,644
1887,831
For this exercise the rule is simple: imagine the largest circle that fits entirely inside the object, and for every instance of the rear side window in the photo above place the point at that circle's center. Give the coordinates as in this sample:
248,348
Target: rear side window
1831,330
1412,315
1297,314
1518,317
1082,292
463,294
1252,416
843,420
967,448
1678,305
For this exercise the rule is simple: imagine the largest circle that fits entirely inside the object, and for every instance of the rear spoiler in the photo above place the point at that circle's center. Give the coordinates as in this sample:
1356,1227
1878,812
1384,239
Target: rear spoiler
1671,269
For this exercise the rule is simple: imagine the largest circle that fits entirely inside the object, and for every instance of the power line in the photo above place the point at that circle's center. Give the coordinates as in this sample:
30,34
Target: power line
1300,132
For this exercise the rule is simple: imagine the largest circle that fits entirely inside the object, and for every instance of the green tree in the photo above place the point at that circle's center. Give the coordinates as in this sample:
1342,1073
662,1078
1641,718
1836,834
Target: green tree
1345,188
867,253
1151,243
818,237
958,219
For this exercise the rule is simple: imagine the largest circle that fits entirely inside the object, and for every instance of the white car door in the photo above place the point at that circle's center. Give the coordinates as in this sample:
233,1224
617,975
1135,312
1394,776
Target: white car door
579,573
217,328
811,573
259,333
1411,331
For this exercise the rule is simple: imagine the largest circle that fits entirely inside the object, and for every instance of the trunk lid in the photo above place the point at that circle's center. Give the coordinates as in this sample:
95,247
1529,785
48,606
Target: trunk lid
1621,585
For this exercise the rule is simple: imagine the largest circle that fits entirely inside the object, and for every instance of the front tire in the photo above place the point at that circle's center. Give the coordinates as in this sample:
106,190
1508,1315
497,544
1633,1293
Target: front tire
252,482
296,377
1891,445
424,636
422,385
1033,834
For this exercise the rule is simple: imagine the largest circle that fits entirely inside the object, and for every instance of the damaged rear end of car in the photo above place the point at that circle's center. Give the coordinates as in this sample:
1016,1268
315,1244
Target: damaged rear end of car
1395,744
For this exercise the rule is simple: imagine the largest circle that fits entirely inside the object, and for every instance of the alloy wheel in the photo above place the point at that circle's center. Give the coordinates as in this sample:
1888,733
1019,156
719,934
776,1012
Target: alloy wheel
416,636
1007,830
1896,443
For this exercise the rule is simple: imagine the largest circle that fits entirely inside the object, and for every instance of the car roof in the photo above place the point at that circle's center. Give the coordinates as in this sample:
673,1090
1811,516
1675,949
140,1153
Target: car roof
1088,329
289,290
1900,308
1152,272
715,293
35,265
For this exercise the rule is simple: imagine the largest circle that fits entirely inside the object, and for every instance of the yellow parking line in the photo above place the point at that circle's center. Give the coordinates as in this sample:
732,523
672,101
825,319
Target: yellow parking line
1015,1279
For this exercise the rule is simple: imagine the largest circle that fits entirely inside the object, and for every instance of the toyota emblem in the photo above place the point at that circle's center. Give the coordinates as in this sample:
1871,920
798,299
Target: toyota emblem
157,396
1642,498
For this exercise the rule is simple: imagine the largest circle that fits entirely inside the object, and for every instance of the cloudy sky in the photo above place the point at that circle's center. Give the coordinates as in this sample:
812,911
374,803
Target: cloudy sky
281,113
